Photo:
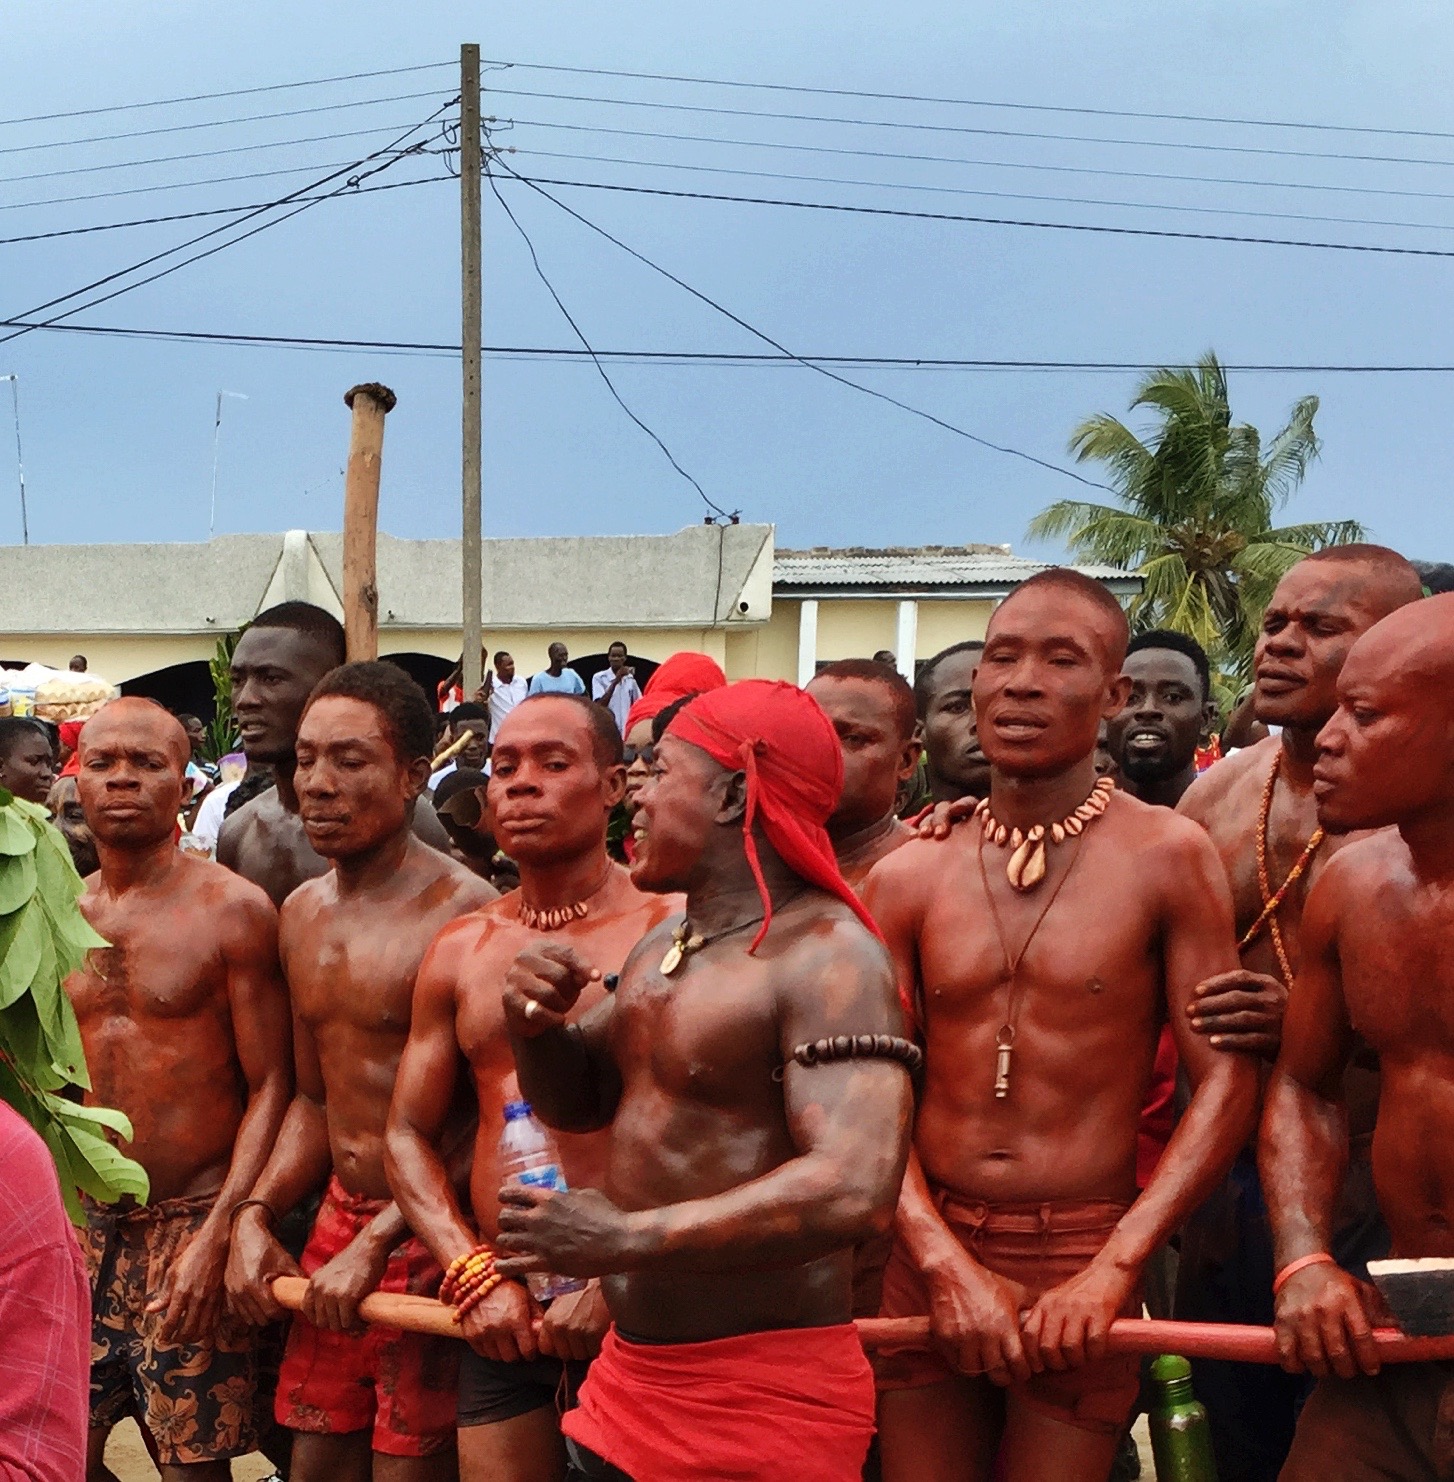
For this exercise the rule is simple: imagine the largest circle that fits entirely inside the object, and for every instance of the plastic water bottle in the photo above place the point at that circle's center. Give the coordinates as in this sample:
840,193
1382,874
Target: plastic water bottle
528,1156
1181,1440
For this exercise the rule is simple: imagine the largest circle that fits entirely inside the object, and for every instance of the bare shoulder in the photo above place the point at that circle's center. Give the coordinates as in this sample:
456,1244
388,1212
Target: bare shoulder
1365,863
911,873
438,870
1225,777
230,892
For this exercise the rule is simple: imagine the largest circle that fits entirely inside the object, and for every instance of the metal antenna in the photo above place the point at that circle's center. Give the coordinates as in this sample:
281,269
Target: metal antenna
216,444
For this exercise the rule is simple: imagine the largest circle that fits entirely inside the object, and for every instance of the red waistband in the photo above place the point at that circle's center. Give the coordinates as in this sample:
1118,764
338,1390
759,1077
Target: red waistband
790,1405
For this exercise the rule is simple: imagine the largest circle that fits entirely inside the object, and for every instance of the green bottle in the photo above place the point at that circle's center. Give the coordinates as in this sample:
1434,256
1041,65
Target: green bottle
1181,1439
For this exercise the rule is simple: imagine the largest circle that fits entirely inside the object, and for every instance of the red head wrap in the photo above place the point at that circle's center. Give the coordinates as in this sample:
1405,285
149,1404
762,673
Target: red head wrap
70,732
781,738
682,674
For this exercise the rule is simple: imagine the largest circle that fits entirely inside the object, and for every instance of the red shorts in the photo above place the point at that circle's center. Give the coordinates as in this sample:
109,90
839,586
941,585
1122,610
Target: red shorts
1039,1246
399,1384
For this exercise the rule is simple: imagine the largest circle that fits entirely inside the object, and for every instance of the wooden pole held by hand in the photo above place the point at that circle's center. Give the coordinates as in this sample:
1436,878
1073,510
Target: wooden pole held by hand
370,404
1209,1340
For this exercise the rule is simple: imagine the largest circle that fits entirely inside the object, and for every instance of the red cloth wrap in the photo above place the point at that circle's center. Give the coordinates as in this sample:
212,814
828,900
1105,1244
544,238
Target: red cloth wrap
682,674
70,732
779,735
795,1405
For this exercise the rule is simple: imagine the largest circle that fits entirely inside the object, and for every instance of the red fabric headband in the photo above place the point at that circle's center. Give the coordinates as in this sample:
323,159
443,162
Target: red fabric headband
790,752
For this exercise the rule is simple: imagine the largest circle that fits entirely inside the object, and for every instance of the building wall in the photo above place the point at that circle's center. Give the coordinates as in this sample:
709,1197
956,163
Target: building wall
943,623
847,628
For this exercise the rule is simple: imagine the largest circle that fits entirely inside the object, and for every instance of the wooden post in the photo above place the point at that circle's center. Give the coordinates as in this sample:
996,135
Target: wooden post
470,332
370,404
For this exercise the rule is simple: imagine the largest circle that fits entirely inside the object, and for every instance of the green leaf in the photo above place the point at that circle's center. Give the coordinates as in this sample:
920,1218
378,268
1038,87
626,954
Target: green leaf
101,1169
22,960
17,881
16,834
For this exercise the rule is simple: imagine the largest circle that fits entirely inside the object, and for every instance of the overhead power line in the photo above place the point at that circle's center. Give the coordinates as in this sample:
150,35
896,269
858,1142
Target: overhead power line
147,190
390,155
716,359
113,226
941,159
237,92
996,195
978,130
596,359
838,92
1056,226
767,339
218,123
205,154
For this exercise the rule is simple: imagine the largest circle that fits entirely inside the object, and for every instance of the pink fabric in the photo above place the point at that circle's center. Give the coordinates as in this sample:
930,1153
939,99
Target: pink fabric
779,735
682,674
45,1317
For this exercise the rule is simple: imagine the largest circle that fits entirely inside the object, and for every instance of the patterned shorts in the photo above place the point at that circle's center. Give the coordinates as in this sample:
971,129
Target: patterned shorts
196,1399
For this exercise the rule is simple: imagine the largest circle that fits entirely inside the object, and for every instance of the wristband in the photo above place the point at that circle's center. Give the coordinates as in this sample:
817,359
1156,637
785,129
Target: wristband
466,1271
1318,1258
242,1204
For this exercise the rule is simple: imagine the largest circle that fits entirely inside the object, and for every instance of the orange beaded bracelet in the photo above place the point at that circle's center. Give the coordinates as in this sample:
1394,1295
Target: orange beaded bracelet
1318,1258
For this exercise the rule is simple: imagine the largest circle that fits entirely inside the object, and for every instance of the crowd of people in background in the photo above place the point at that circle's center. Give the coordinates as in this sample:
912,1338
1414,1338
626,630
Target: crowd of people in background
966,997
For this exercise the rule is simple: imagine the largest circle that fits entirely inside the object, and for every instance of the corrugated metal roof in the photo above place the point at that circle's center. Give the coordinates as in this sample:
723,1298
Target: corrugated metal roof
969,568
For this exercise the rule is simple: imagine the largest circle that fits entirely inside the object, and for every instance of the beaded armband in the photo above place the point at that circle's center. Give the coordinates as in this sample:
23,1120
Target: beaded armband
470,1279
860,1047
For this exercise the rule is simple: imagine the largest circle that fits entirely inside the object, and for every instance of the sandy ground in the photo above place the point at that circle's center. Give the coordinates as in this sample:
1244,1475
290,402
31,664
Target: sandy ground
127,1457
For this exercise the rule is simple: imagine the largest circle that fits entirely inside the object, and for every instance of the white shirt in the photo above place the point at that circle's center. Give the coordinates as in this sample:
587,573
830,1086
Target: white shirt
504,698
210,815
628,692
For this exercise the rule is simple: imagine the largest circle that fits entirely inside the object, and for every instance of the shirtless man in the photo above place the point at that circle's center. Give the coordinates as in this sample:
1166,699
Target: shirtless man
557,773
1018,1231
872,710
352,942
185,1023
277,662
741,1170
942,694
1377,964
1319,610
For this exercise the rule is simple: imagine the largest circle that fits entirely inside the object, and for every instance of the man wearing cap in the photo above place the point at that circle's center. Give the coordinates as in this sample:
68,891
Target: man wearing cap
752,1073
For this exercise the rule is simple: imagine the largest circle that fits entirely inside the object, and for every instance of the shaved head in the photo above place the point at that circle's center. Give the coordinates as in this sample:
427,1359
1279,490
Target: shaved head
136,715
1390,581
1106,620
1387,754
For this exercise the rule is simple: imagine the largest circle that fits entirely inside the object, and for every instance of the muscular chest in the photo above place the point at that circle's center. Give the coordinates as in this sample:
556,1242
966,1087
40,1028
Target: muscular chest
703,1035
1092,953
348,970
148,972
1397,965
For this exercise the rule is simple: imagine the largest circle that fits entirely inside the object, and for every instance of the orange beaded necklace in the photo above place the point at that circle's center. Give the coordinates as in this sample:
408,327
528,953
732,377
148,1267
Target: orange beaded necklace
1273,899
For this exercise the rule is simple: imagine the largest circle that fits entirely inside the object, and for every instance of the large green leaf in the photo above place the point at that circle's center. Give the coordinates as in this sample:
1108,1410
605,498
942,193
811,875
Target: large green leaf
22,959
43,938
16,834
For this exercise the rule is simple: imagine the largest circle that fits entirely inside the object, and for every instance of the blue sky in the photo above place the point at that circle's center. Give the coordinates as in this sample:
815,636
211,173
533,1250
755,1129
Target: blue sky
118,432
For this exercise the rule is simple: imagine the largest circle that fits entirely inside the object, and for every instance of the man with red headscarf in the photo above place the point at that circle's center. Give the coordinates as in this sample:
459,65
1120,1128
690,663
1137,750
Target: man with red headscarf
752,1074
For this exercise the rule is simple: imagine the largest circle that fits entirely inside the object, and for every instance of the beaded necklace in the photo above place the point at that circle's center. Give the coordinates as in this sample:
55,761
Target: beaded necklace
553,918
1273,899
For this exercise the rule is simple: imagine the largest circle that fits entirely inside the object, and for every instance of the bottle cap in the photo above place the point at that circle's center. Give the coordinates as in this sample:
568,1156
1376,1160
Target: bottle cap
514,1110
1170,1366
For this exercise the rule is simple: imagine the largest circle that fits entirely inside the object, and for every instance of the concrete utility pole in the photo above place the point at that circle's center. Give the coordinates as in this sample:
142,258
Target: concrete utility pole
470,331
370,404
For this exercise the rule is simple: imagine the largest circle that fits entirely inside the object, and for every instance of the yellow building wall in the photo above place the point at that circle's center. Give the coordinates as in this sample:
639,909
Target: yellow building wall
114,656
943,623
527,646
847,628
855,628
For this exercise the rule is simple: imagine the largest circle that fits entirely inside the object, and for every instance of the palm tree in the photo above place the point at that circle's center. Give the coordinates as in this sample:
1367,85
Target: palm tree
1196,501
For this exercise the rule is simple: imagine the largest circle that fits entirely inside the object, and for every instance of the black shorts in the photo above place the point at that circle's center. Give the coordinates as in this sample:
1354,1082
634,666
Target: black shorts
491,1391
